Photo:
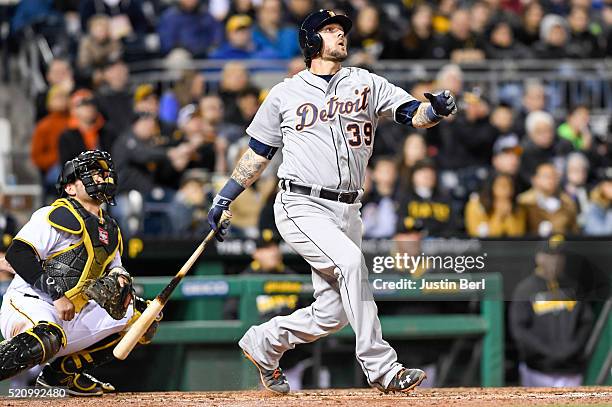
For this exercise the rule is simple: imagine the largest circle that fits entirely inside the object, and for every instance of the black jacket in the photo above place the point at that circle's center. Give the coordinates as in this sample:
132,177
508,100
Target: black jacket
433,216
136,162
71,143
551,333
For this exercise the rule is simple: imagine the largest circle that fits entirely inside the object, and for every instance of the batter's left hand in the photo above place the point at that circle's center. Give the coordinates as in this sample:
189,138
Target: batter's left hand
443,103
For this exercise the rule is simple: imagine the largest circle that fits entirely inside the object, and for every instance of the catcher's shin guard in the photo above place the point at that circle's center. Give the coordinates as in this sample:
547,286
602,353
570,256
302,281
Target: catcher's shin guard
30,348
71,370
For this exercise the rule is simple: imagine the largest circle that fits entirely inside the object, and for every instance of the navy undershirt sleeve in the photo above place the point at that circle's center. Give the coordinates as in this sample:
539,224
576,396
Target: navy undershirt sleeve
262,149
406,111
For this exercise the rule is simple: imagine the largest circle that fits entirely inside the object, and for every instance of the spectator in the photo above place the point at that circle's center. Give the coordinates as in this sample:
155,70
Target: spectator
494,211
459,44
549,324
502,45
575,183
247,101
502,118
145,99
97,47
507,158
190,204
189,89
138,156
86,128
234,79
270,32
369,38
297,10
548,210
529,32
267,260
534,99
212,112
539,146
450,77
576,128
423,208
416,43
45,139
127,16
583,43
201,140
598,219
59,72
465,146
186,26
480,17
379,205
414,149
553,39
113,97
239,42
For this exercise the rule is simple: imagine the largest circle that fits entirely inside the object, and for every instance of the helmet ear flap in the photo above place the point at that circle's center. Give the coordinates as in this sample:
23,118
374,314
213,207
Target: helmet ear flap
67,175
312,43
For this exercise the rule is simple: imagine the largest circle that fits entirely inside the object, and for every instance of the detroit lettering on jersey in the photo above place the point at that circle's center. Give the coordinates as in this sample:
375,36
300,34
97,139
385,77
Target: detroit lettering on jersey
309,113
326,129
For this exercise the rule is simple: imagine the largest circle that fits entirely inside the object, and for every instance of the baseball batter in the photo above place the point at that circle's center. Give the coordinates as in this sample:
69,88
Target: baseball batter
70,299
325,119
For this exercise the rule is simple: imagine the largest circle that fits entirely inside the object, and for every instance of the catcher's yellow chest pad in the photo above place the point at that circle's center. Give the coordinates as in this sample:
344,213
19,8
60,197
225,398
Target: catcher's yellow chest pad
99,236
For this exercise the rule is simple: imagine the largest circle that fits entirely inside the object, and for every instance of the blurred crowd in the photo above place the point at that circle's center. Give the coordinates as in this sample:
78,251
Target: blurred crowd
91,30
494,170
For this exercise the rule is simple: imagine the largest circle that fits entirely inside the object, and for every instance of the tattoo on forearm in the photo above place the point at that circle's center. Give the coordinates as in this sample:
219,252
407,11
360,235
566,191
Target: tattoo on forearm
249,168
420,119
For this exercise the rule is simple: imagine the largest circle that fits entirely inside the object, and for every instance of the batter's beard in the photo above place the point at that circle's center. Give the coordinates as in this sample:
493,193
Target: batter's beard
335,55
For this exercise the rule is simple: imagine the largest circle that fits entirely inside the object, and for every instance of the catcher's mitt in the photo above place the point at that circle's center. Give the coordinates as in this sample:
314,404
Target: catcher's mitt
109,292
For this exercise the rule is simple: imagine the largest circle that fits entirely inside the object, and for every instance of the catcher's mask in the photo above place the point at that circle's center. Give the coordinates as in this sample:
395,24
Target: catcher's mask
84,167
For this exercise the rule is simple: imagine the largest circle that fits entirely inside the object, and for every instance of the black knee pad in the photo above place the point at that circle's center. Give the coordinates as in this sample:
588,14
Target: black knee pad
30,348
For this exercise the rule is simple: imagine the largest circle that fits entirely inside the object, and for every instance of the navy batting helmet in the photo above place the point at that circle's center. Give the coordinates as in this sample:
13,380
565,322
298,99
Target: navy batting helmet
310,40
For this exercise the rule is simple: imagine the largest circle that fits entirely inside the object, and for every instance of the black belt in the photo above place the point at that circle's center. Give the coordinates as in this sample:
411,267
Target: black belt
344,197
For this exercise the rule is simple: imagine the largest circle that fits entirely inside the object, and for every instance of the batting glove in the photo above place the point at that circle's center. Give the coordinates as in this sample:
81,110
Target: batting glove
219,205
442,103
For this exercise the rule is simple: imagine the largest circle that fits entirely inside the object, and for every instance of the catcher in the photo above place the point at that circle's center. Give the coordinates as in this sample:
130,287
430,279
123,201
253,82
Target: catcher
71,299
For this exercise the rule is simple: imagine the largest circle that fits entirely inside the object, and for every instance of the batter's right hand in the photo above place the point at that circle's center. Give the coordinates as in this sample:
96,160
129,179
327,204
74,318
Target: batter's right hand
214,216
64,308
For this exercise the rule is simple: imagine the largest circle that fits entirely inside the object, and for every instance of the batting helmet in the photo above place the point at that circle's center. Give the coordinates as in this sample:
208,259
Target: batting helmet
310,40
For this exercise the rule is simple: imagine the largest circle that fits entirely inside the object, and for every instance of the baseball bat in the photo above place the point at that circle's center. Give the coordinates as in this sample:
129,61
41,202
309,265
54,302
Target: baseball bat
138,328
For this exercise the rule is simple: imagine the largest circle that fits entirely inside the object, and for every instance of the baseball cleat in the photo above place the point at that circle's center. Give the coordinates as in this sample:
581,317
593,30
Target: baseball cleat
273,380
106,387
76,384
405,380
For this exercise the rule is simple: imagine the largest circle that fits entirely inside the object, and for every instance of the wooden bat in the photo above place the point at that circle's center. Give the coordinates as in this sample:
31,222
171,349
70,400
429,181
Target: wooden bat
138,328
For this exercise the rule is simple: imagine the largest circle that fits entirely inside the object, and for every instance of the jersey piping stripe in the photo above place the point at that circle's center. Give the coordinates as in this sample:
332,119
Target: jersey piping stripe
337,157
314,86
21,312
348,298
348,151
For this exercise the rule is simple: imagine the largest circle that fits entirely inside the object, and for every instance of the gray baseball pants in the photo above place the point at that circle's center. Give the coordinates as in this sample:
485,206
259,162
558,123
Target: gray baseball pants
327,235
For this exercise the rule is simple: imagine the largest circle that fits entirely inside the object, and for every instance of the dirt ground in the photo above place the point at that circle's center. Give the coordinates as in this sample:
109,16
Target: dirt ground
448,397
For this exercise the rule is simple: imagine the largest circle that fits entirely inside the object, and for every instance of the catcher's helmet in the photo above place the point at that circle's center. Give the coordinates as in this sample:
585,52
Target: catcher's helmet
84,167
310,40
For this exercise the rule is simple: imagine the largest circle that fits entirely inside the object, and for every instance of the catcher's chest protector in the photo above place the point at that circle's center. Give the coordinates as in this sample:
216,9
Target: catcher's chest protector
87,258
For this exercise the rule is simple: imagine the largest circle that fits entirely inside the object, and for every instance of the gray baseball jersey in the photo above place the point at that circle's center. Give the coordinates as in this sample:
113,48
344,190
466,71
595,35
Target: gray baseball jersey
326,129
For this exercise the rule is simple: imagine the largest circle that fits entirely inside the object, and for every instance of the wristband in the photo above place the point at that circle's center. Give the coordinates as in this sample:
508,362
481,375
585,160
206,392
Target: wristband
228,193
431,114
